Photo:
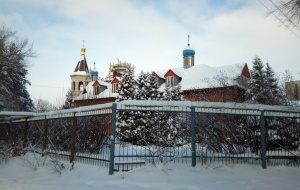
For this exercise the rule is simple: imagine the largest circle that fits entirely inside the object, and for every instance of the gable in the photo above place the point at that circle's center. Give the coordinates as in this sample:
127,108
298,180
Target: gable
246,72
170,73
96,83
115,80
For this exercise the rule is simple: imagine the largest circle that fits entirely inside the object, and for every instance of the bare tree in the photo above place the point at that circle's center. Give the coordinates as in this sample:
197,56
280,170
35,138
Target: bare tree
287,12
41,105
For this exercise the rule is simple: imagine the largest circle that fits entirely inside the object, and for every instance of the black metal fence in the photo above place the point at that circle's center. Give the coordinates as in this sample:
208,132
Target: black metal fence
128,134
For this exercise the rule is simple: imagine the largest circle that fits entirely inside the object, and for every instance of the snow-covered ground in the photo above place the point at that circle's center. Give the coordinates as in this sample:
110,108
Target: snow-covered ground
16,174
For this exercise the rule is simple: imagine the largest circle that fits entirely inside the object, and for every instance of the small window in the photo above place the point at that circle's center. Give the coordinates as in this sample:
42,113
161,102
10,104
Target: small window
170,81
115,87
80,86
97,90
73,88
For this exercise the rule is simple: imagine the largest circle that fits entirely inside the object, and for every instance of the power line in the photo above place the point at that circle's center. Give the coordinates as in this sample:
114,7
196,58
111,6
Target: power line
279,19
49,86
285,15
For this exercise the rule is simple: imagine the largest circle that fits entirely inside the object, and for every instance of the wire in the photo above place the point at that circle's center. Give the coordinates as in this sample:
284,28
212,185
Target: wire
279,19
285,15
48,86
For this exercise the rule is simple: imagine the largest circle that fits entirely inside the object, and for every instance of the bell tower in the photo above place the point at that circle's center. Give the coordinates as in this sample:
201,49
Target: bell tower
81,76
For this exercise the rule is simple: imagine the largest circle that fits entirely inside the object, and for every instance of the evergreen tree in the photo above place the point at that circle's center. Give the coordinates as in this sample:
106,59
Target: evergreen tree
69,101
126,90
140,88
147,88
273,95
173,93
144,122
153,88
256,92
14,55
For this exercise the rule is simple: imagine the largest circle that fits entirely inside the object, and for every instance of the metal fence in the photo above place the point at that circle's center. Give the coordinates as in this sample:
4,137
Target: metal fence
201,132
74,135
129,134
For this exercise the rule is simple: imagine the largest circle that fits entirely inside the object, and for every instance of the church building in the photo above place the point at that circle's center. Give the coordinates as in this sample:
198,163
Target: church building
198,82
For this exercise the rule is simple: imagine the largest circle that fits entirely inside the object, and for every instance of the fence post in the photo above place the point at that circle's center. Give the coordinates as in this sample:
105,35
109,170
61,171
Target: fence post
193,135
25,134
112,140
73,138
263,140
45,136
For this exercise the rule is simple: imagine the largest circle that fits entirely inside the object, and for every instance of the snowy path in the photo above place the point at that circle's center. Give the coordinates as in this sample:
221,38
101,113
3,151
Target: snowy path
17,175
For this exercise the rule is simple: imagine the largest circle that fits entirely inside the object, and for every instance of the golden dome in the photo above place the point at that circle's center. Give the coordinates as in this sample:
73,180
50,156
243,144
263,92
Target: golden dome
82,50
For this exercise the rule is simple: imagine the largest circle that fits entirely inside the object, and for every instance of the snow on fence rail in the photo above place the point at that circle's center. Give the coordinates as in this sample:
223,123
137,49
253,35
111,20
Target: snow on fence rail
141,105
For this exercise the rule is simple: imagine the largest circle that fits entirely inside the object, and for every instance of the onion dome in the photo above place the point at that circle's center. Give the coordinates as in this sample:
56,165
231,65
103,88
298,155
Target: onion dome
94,73
188,55
188,51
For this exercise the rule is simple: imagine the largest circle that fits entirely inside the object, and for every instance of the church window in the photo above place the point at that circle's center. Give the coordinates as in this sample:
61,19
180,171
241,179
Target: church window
170,81
73,87
97,90
80,86
115,87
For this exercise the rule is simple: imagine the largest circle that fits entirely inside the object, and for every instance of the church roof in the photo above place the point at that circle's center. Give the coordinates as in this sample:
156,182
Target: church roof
82,64
204,76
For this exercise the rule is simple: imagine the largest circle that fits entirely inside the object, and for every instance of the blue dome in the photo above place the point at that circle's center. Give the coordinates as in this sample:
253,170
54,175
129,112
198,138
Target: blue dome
188,52
94,73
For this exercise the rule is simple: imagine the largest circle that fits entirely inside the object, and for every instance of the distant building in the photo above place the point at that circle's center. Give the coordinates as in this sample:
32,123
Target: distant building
205,83
82,75
88,89
199,82
293,90
116,70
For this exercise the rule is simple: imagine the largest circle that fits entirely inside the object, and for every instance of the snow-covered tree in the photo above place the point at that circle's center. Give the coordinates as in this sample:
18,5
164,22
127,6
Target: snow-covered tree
126,86
173,93
263,86
273,94
126,90
69,101
153,88
14,60
147,88
140,88
257,87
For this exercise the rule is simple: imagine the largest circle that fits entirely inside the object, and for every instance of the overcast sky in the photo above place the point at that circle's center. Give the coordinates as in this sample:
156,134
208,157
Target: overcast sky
149,34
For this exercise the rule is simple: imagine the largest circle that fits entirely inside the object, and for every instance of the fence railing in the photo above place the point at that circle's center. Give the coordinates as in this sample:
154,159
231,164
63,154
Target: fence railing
128,134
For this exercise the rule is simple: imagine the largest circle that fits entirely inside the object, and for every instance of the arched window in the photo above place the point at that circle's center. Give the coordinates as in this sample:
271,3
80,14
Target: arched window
73,86
80,86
